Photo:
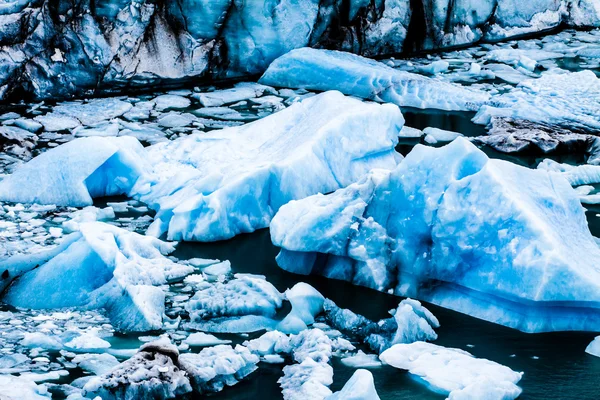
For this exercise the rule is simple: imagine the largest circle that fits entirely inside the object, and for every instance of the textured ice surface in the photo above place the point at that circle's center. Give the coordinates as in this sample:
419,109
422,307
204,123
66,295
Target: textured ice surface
576,175
433,228
12,387
567,99
410,322
308,380
359,387
306,303
76,172
100,266
454,372
358,76
214,186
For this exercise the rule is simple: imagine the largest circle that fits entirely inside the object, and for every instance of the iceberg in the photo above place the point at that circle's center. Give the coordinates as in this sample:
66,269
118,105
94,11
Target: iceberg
567,99
449,226
213,186
454,372
354,75
410,322
101,266
76,172
359,387
576,175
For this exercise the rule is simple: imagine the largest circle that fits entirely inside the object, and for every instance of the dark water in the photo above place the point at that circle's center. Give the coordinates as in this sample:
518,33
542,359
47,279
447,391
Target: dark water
555,364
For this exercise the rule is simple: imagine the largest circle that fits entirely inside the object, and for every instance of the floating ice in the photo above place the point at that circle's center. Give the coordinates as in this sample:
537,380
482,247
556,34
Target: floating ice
215,185
204,339
362,360
308,380
101,266
358,76
306,303
154,372
454,372
97,364
12,387
594,347
241,91
76,172
410,322
576,175
435,135
433,227
359,387
568,99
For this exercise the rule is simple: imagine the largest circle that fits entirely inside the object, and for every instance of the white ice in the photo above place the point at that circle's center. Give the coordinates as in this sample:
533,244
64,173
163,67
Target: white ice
360,386
454,372
368,79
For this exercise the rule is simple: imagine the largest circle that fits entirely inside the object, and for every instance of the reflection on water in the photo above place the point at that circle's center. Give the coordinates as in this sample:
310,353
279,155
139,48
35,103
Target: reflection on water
555,364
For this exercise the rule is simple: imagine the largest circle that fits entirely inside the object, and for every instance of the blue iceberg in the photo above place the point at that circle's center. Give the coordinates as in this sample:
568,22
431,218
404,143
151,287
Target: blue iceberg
484,237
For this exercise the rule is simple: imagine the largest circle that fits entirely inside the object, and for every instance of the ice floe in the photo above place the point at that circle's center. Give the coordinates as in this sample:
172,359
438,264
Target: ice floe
454,372
358,76
393,231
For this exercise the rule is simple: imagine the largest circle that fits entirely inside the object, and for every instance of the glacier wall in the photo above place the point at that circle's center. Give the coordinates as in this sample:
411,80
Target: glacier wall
63,48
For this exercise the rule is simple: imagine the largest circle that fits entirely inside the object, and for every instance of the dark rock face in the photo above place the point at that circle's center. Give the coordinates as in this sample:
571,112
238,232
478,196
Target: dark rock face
65,48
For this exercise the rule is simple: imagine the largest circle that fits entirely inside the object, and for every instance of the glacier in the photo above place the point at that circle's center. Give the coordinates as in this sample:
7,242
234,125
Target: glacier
79,48
454,372
433,229
323,70
100,266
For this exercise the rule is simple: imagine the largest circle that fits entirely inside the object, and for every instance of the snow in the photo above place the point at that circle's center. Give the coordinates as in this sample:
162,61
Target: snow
454,372
76,172
359,387
110,267
215,185
436,218
566,99
358,76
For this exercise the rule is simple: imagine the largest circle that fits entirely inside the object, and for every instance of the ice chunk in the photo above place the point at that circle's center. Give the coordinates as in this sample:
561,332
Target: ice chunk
76,172
408,132
216,367
435,135
154,372
308,380
105,267
306,302
313,344
204,339
454,372
576,175
12,387
358,76
594,347
433,227
215,185
97,364
360,386
174,101
242,296
362,360
241,91
273,342
93,111
410,322
568,99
